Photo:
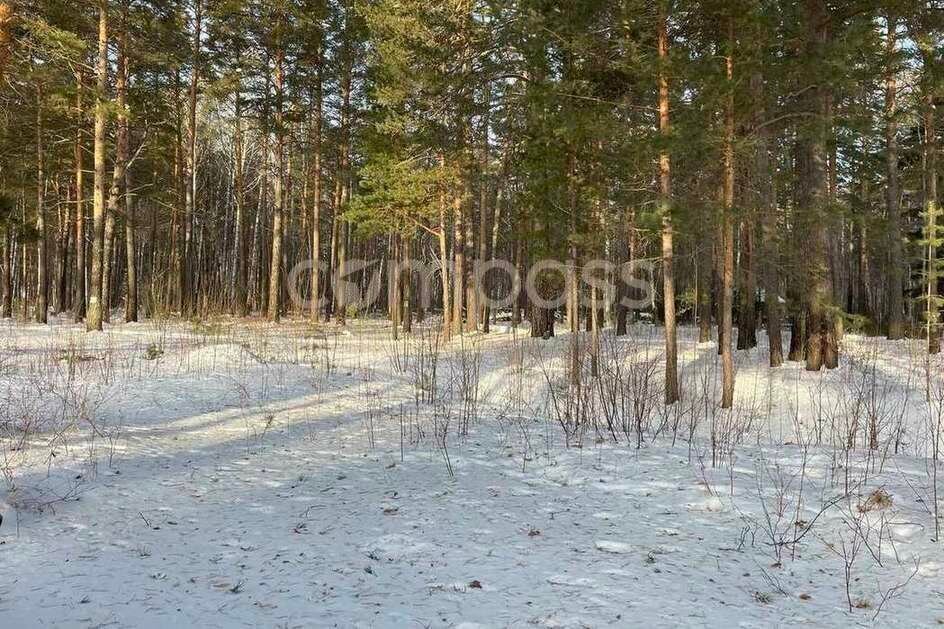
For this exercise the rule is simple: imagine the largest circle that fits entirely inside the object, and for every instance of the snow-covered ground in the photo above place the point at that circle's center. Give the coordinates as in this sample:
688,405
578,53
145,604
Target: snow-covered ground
244,474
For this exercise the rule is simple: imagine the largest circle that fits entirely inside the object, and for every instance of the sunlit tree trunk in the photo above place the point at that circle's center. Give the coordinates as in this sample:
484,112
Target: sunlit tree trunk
933,229
275,268
190,174
444,258
125,200
314,176
344,157
80,262
94,315
42,249
665,209
116,196
108,242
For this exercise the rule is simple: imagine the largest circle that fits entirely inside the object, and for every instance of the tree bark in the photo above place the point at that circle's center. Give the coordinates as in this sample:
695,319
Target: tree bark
727,243
63,245
94,314
747,320
822,346
458,280
116,196
343,170
489,285
275,268
407,285
42,249
933,236
6,275
242,224
314,177
190,183
444,259
80,262
131,270
896,261
108,242
767,206
481,312
123,157
665,209
472,292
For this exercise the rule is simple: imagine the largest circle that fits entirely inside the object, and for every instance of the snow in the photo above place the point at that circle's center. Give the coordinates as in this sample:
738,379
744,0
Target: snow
244,474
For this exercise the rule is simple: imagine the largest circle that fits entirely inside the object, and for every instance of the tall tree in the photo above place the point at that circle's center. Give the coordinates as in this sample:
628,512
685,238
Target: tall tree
727,228
94,310
665,208
892,189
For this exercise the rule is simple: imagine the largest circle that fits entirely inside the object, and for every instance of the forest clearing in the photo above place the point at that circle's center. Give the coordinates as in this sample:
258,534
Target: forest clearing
471,313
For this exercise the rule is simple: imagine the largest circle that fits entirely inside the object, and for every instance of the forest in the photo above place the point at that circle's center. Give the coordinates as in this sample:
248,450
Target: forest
681,228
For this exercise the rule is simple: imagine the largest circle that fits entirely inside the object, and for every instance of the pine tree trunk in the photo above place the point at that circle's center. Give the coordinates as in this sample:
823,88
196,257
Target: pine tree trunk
131,270
717,281
42,252
176,291
767,206
472,292
489,284
64,242
116,196
572,285
822,346
80,262
519,267
407,284
703,277
444,261
665,209
864,306
624,314
6,275
458,280
123,156
275,268
242,223
481,312
726,331
933,236
727,243
542,319
343,170
315,179
190,171
108,243
747,321
94,314
596,319
394,280
896,261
